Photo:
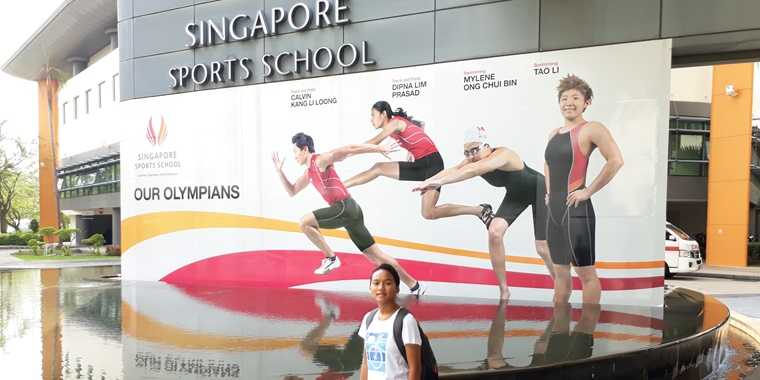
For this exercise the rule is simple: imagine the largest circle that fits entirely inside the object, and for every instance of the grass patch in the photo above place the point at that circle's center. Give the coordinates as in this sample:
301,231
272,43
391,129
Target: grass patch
31,257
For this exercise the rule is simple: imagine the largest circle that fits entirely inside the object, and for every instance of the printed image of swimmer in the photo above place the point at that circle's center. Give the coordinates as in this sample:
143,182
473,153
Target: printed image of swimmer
500,167
425,160
343,211
571,221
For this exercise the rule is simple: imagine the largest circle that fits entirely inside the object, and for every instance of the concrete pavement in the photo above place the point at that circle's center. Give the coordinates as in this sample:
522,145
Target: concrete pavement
732,273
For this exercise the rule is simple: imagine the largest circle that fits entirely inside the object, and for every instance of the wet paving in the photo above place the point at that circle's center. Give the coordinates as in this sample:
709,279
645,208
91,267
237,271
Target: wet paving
75,323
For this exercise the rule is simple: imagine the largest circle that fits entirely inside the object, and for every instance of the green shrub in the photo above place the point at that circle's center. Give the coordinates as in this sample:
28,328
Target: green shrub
64,234
34,244
47,232
18,238
96,241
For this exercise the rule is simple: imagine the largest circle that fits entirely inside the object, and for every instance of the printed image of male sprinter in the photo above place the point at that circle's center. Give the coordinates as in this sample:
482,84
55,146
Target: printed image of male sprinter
424,160
343,211
571,219
500,167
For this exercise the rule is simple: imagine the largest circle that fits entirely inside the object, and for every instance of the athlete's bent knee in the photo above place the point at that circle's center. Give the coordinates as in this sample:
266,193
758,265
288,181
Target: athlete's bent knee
307,221
542,251
497,229
429,214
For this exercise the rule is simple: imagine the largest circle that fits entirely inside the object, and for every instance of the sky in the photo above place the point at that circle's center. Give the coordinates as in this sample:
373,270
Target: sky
18,97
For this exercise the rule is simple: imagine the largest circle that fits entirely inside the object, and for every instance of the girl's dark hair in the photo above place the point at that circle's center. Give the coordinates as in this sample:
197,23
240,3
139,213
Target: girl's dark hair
383,106
390,269
302,140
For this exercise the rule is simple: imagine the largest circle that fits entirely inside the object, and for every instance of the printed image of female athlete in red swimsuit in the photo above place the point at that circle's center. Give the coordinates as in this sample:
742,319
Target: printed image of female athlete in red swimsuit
571,220
427,162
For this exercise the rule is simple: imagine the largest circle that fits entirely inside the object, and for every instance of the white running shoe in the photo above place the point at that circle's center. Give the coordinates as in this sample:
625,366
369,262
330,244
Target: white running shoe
327,265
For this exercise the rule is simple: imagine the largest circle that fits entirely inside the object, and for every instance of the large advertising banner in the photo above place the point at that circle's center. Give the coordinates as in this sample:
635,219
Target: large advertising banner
556,161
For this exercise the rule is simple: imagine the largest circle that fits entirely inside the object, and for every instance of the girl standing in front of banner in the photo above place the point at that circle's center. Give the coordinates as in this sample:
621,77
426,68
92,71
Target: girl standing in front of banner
382,359
571,220
427,162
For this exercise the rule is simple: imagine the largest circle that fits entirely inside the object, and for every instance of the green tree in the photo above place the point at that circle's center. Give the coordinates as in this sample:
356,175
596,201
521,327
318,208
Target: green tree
34,225
14,156
24,205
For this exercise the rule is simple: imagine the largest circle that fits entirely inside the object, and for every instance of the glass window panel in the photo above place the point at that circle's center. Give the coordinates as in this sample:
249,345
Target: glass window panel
690,147
686,169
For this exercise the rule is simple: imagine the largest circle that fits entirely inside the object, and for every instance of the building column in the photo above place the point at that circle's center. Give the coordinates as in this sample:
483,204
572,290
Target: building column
79,225
728,184
116,226
48,153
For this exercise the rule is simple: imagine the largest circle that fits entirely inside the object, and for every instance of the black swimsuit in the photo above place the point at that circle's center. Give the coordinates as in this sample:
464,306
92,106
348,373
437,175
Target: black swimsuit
524,187
570,230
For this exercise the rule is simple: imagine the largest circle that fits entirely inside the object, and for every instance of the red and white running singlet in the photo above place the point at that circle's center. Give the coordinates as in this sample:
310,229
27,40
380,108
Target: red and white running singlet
327,183
414,139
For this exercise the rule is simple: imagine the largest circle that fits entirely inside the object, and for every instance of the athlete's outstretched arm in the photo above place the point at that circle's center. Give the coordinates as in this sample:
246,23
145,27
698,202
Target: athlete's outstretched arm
602,138
393,126
448,171
471,169
336,155
291,188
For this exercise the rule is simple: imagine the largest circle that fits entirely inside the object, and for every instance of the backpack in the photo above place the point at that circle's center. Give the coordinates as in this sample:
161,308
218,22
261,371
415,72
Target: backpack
429,370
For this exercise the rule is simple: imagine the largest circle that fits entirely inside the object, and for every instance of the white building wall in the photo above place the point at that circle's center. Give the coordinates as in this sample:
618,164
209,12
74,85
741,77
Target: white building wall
691,84
87,105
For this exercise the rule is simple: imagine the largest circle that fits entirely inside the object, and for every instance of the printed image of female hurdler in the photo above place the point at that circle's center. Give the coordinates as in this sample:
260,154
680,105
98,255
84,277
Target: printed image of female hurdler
571,221
343,210
500,167
427,161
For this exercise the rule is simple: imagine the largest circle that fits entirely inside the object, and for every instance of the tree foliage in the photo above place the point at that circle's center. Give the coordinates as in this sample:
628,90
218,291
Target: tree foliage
17,182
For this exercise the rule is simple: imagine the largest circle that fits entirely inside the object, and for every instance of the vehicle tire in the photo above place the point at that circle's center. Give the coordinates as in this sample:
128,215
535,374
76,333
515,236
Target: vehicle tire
667,272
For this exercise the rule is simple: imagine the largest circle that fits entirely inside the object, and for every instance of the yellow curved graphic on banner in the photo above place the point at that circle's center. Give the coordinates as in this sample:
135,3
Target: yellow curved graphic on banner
147,226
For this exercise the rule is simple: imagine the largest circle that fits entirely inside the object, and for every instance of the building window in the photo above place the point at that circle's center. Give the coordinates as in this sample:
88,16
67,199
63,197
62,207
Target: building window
688,147
115,86
76,107
87,101
100,179
100,94
64,111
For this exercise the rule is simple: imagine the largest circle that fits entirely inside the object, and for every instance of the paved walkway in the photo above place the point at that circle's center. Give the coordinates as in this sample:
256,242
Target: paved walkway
7,261
731,273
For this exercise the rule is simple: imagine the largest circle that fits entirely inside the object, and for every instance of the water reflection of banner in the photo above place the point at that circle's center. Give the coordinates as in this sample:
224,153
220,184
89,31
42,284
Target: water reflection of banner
263,330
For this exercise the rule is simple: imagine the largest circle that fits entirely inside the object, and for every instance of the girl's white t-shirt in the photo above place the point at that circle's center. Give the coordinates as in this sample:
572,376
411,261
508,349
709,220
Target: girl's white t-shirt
384,361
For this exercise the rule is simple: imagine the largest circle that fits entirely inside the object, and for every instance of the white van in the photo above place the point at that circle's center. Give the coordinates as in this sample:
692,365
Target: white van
681,252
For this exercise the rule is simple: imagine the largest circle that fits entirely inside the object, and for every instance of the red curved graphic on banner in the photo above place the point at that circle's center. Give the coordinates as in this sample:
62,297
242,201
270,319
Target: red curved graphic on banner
290,268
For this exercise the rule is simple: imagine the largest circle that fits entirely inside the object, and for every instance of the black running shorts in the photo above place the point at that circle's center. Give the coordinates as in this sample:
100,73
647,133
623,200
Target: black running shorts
420,169
346,214
571,232
529,192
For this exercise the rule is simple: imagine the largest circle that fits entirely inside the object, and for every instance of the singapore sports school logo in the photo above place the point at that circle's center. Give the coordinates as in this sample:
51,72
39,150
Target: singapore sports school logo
153,138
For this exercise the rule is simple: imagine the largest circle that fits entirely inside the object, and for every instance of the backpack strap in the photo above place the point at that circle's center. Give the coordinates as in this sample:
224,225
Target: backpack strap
370,317
398,326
